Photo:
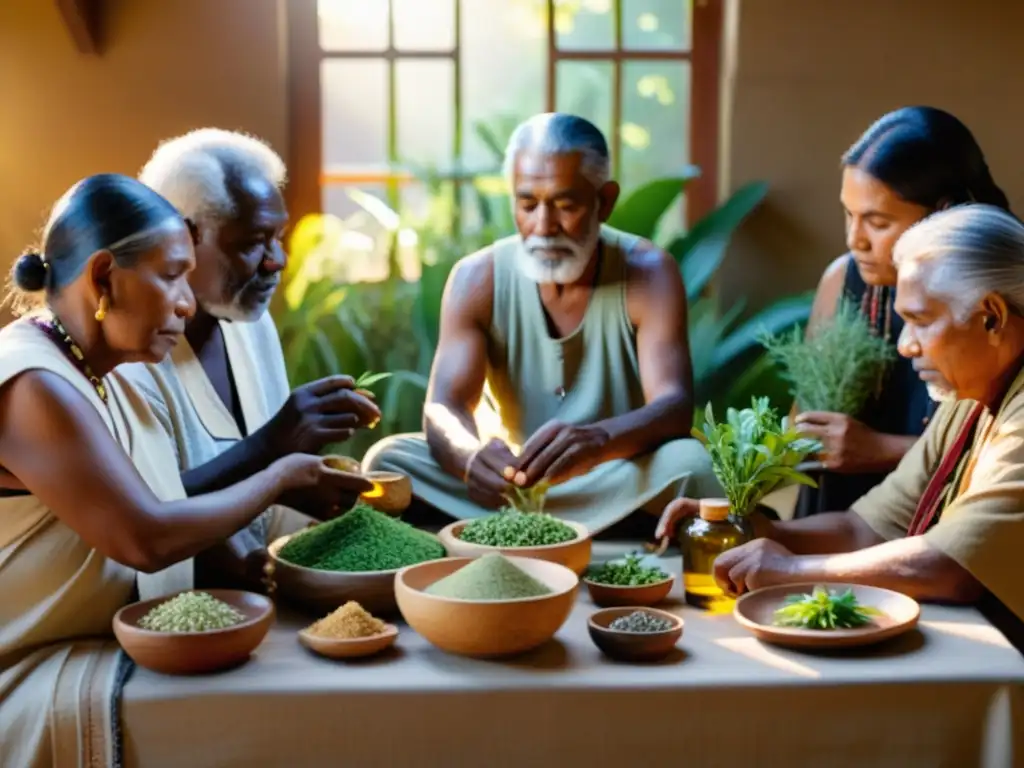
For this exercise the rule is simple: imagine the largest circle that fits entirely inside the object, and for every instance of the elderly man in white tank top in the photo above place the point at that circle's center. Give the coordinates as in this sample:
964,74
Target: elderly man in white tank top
223,394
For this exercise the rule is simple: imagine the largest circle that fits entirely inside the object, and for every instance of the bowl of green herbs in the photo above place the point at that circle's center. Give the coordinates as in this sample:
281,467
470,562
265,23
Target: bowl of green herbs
826,615
352,557
633,580
521,529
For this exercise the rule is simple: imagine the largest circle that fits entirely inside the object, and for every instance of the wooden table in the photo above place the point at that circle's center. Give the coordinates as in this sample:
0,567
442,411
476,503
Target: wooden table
948,694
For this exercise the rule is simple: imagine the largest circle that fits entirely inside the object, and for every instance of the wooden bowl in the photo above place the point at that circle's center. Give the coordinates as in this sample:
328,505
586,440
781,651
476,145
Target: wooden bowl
323,591
392,494
573,554
189,653
755,611
350,648
633,646
611,595
485,628
343,464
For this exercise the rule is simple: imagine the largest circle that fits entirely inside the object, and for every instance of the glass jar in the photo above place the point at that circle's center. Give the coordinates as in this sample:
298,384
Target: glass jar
702,540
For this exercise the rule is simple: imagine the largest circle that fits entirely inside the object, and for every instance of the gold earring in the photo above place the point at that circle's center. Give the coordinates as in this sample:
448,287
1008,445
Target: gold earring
101,311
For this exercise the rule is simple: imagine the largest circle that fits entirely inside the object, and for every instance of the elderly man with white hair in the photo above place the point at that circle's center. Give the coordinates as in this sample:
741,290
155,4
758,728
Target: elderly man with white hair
948,523
578,331
224,395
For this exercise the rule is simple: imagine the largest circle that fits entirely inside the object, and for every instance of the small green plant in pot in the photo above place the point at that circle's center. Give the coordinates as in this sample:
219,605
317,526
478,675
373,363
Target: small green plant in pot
753,453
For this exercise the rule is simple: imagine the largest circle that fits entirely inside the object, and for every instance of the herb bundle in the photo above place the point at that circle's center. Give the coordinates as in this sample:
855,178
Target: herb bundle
629,573
754,452
838,367
824,609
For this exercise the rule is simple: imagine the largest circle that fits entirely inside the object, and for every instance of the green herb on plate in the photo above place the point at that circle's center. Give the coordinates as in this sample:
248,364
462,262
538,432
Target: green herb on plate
628,573
824,609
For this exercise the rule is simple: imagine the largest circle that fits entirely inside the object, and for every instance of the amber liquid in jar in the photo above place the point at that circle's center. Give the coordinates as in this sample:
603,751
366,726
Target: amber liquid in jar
701,542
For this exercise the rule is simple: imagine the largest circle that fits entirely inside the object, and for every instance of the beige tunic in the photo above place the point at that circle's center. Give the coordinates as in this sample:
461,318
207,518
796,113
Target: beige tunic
982,527
590,375
192,413
58,659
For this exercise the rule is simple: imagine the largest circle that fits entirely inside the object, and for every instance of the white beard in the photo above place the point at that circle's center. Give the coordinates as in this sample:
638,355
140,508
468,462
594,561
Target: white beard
535,265
940,394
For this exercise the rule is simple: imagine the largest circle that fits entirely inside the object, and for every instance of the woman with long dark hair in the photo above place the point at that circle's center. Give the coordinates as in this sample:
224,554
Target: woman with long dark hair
910,163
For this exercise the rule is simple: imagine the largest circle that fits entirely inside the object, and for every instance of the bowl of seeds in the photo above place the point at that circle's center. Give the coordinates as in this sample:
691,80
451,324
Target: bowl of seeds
635,633
486,607
194,632
634,580
353,557
521,529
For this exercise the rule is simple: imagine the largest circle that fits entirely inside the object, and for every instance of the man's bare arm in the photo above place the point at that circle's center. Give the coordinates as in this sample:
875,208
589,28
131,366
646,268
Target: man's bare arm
656,298
457,375
827,533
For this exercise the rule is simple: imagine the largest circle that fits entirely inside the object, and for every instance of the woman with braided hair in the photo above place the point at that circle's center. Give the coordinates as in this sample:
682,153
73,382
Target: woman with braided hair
908,164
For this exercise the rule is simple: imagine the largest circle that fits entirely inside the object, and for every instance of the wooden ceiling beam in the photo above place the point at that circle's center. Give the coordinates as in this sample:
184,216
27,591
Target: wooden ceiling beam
82,19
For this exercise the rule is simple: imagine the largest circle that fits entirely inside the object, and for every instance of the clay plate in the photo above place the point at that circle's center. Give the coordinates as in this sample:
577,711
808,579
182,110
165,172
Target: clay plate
350,648
755,611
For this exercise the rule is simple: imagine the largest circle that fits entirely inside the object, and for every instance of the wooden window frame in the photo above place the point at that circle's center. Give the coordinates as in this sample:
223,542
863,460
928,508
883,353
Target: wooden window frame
305,118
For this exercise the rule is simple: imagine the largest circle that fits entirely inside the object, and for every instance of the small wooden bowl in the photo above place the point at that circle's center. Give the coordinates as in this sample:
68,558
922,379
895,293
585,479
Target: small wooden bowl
485,628
189,653
633,646
343,464
612,595
573,554
392,494
351,648
755,611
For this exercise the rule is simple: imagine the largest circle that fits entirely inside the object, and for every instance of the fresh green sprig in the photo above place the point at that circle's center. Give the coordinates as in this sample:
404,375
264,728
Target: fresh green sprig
631,572
528,500
369,378
824,609
754,452
838,367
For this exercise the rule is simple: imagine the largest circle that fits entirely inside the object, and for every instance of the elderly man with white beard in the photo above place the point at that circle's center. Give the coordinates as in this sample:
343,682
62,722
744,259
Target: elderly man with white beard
223,394
578,332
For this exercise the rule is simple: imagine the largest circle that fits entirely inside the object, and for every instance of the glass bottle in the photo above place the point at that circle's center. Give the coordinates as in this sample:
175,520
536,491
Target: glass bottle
702,540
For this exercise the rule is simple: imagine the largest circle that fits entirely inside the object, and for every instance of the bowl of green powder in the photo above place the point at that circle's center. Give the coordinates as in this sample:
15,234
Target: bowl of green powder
521,534
486,607
353,557
194,632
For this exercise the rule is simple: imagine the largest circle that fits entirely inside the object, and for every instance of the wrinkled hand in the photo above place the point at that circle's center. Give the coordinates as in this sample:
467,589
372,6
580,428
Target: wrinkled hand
485,474
311,486
756,564
558,452
319,413
848,446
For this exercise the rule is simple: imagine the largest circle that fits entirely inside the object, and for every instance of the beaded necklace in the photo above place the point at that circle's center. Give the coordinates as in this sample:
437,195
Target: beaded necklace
59,335
876,306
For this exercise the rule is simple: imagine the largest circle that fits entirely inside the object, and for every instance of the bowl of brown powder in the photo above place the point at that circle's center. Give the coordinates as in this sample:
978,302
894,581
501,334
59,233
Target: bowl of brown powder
347,633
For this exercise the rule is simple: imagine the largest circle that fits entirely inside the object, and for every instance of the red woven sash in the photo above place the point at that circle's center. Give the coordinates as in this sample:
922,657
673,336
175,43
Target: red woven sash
930,502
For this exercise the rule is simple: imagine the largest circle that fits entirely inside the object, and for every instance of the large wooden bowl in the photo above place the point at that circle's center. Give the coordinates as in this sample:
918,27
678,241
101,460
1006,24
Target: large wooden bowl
189,653
324,591
755,611
573,554
485,629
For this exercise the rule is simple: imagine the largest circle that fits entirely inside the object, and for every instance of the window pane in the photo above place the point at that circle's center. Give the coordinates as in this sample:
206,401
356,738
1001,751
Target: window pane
584,25
353,25
656,25
585,89
425,111
655,128
423,25
504,60
360,251
355,109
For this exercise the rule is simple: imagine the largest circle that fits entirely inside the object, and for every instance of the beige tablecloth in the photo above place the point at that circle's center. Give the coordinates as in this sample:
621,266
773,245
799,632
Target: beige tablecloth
947,695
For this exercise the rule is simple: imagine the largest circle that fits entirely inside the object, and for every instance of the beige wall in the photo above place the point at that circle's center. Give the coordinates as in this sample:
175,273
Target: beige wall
811,75
167,66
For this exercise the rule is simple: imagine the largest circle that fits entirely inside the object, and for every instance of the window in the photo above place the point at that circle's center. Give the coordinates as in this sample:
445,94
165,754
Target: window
380,88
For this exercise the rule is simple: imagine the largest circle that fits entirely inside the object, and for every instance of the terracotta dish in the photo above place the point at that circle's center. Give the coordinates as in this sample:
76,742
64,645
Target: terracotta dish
755,611
188,653
573,554
350,648
610,595
392,493
633,646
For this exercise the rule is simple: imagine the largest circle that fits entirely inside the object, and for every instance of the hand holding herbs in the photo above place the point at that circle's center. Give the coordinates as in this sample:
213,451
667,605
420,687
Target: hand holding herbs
837,367
754,452
485,474
823,609
628,573
318,414
367,380
558,452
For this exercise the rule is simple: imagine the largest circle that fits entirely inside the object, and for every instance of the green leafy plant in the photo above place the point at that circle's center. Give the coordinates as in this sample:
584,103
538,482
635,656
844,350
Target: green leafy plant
824,609
838,367
528,500
754,452
630,572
